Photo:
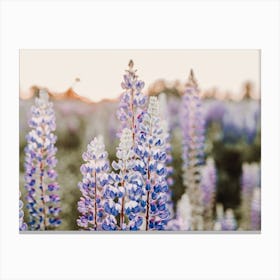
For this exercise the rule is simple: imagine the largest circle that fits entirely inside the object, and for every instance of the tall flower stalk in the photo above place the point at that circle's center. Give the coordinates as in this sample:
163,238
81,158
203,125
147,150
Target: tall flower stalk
208,186
40,161
131,107
97,211
132,101
151,162
192,124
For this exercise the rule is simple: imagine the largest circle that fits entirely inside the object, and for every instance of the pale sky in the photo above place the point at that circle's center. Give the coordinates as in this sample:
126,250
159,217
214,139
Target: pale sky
100,71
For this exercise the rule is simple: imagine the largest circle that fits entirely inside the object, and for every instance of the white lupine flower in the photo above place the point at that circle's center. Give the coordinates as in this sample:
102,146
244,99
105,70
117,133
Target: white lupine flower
153,108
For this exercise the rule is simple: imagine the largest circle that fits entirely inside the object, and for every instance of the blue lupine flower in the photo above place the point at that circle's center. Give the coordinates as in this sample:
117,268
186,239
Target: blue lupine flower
132,101
131,107
39,166
97,209
128,184
154,171
192,124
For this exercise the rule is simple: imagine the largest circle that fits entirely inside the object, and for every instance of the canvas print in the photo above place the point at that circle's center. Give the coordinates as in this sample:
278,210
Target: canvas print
139,140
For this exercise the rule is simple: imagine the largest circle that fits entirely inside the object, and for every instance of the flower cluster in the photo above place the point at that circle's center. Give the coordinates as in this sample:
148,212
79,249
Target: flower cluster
132,101
128,183
151,162
249,181
183,215
192,124
242,121
22,224
165,123
96,211
208,186
40,161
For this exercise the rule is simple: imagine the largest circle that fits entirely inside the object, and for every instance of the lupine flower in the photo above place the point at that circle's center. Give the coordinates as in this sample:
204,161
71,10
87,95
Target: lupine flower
249,181
168,149
22,224
97,210
132,101
40,175
208,186
256,209
168,165
219,217
151,162
214,110
229,221
128,185
183,215
130,182
192,124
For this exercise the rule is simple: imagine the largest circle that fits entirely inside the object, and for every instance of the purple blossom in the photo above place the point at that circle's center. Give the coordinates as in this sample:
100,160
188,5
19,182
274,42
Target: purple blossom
151,162
208,186
128,184
250,180
214,110
165,124
97,210
39,166
192,124
132,101
241,120
182,220
22,224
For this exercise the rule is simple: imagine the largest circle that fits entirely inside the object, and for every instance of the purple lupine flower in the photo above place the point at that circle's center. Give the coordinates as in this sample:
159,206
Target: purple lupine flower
208,186
40,161
22,224
214,110
250,180
192,124
151,162
256,209
229,221
168,165
97,211
132,101
241,121
165,124
128,183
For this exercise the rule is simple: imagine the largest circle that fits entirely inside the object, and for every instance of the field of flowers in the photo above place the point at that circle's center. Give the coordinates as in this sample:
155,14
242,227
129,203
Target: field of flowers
169,161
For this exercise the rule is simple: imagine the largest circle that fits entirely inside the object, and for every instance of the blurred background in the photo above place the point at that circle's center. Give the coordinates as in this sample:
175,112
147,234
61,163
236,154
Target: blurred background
85,87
